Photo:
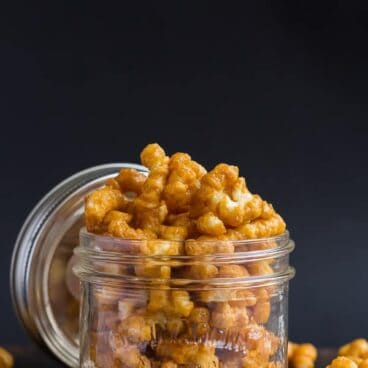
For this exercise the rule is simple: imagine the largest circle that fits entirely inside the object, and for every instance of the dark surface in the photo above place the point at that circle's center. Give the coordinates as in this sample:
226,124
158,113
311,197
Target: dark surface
278,88
31,357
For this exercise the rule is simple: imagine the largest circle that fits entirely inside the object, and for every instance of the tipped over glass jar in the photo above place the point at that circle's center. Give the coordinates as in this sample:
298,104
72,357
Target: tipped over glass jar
223,304
179,266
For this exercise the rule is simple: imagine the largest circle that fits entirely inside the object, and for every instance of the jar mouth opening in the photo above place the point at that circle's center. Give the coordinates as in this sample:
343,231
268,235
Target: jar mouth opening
109,248
107,260
132,282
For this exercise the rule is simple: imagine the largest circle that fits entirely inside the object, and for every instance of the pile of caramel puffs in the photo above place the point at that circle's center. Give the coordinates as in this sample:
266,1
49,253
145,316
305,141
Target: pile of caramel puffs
181,209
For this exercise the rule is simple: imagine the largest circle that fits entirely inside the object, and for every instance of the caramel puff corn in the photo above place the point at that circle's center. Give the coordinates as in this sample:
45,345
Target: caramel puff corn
352,355
179,200
348,362
356,348
301,355
6,359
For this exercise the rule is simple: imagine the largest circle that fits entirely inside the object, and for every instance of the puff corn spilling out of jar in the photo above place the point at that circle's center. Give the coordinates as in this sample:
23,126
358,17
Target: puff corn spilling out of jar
193,261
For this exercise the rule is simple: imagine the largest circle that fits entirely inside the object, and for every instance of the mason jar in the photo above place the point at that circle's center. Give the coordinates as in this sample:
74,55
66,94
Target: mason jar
223,304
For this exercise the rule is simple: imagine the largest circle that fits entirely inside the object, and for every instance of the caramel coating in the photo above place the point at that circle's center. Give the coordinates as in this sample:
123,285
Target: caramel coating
352,355
135,329
99,203
179,200
182,183
6,359
116,223
130,180
342,362
149,209
302,355
263,228
356,348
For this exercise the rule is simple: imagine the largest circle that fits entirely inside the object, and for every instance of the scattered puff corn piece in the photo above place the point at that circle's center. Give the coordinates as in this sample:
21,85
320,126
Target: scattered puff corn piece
302,355
352,355
6,359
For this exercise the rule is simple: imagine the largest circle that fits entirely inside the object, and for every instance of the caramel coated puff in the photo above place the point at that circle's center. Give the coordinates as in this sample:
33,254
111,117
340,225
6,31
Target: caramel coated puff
358,348
149,209
130,180
263,228
177,233
302,355
135,329
131,357
149,270
183,182
256,337
261,310
161,248
116,223
209,224
6,359
349,361
206,245
199,319
224,316
184,220
175,302
99,203
342,362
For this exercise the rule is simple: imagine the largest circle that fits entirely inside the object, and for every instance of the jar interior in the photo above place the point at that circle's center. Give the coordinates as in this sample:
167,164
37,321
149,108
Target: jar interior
203,310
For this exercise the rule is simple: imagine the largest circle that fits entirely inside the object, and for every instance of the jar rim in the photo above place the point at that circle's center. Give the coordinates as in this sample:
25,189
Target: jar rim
285,246
91,256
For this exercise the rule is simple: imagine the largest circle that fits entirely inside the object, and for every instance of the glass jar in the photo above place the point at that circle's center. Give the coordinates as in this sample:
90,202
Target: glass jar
223,304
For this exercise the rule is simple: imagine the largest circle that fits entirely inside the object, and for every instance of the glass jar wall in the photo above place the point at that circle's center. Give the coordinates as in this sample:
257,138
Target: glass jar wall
223,304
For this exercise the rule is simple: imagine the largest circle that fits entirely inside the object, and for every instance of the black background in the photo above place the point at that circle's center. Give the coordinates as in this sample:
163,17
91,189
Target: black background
278,88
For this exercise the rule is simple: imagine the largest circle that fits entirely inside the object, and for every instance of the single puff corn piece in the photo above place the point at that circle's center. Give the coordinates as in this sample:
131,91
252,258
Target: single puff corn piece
223,316
131,357
116,223
357,347
210,224
342,362
159,247
6,359
177,233
135,329
207,245
263,228
183,181
232,208
181,303
99,203
214,186
262,308
130,180
302,355
149,209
